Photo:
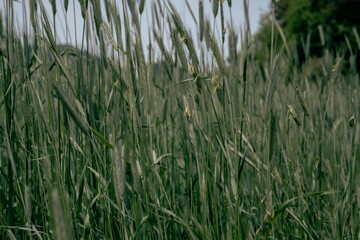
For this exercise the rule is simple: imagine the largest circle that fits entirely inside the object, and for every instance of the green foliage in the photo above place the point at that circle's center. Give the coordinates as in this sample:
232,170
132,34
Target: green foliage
178,146
301,21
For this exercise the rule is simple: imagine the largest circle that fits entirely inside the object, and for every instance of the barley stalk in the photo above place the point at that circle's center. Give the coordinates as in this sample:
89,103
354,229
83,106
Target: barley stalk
222,23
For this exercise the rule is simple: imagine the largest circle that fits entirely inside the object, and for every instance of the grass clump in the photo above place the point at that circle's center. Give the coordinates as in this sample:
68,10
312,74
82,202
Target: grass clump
184,140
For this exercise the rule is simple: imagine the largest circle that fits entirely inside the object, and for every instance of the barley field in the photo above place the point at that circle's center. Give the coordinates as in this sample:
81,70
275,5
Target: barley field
134,137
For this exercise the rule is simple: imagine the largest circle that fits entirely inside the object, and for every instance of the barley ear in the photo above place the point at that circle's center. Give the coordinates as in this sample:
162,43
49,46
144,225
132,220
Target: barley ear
215,7
302,102
201,19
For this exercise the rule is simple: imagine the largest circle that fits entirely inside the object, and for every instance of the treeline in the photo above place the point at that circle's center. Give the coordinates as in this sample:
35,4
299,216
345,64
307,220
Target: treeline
314,26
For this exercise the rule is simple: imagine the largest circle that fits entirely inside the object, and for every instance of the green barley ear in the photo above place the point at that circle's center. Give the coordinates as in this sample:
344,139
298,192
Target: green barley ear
47,26
302,102
163,50
119,173
223,31
71,110
335,71
66,5
211,42
179,49
33,14
135,18
53,6
141,6
201,19
83,8
352,121
177,20
215,7
97,15
293,115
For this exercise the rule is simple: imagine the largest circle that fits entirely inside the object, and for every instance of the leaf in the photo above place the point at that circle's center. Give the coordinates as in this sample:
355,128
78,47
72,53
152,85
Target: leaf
101,138
281,209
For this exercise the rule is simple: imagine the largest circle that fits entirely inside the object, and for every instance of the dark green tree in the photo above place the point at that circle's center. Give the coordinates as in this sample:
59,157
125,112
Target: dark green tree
300,20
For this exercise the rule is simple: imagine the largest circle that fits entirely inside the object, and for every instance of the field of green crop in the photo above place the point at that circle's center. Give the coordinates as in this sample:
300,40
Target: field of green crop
115,140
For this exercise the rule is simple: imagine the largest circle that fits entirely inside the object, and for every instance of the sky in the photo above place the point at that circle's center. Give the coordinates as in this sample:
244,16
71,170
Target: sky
74,19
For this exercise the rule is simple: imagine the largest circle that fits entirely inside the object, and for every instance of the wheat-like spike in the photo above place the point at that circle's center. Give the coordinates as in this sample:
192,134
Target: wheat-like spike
141,6
119,174
83,8
163,50
272,83
214,47
117,21
207,34
33,14
47,27
302,102
103,49
97,16
215,7
141,57
187,113
107,10
352,121
179,49
110,36
53,6
191,48
335,71
73,113
156,15
293,115
134,14
229,3
177,20
201,19
187,39
66,5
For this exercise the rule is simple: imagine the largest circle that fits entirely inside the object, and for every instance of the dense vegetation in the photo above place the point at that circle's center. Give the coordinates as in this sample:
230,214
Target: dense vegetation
185,146
315,26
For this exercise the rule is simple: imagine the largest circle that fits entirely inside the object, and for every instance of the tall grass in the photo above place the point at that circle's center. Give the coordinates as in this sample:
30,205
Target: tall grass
194,142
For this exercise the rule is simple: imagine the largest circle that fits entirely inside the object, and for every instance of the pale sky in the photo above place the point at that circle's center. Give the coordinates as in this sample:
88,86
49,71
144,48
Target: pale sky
256,8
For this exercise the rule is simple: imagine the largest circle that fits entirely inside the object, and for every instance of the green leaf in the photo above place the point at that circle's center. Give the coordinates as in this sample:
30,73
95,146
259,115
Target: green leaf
101,138
281,209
